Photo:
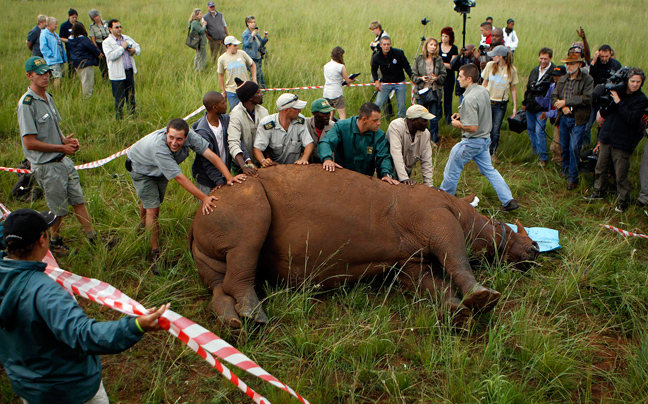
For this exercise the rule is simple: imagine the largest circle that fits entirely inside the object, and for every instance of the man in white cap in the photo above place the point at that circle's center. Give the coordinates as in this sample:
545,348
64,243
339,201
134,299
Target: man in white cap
231,65
282,138
409,142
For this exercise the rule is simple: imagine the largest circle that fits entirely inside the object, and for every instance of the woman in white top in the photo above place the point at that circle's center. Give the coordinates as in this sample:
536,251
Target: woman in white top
335,74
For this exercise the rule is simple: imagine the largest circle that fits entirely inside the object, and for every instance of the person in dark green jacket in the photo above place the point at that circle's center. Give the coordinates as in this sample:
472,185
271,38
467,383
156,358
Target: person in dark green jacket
48,346
359,145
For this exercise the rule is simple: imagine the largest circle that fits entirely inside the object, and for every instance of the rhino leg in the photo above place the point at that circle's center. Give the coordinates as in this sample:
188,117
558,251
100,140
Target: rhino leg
448,244
239,282
212,273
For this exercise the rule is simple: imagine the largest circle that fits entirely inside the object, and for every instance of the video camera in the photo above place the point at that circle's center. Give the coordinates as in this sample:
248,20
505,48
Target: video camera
463,6
617,82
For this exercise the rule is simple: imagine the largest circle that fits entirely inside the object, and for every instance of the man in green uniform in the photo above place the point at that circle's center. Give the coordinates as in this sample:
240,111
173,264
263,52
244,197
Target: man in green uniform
46,149
359,145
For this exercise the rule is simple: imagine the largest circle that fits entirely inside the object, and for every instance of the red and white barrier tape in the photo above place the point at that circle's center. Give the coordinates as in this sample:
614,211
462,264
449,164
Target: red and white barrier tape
624,232
99,163
200,340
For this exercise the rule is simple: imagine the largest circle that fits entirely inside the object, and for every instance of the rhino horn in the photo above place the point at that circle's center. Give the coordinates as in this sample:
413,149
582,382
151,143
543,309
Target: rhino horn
520,228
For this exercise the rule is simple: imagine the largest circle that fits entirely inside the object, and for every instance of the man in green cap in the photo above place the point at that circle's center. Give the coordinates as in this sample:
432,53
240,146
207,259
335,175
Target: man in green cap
47,149
319,124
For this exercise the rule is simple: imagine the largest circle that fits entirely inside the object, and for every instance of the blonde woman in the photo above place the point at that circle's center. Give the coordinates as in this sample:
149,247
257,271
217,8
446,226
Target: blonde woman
335,73
500,78
197,27
429,74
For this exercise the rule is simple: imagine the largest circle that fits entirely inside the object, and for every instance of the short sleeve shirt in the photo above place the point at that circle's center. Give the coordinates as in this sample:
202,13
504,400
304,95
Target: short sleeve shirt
99,32
39,117
234,66
151,154
285,147
34,38
475,109
499,83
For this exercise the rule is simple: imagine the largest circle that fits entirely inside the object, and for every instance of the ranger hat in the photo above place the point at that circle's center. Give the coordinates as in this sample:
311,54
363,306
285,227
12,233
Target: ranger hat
231,40
321,105
25,226
37,65
499,50
418,111
287,100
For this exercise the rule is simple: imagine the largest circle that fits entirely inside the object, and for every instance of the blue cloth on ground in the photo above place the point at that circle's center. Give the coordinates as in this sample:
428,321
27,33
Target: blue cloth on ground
547,239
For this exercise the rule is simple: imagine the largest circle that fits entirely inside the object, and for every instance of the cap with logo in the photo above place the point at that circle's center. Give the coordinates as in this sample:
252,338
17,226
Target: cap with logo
321,105
37,65
418,111
288,100
24,227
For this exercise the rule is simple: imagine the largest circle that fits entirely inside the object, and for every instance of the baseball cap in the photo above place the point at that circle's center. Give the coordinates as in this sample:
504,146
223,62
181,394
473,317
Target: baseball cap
418,111
37,65
211,4
231,40
559,71
321,105
24,227
288,100
498,51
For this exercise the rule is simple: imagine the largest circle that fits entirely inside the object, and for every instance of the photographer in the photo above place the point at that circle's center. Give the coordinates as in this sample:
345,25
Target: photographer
254,46
468,56
539,81
619,135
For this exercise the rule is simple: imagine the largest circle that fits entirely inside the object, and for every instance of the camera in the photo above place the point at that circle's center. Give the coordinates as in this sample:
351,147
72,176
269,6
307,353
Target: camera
616,82
425,21
483,57
539,88
463,6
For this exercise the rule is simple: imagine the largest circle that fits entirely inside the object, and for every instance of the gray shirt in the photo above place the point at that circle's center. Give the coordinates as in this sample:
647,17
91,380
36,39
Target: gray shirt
151,154
476,110
215,25
285,147
37,116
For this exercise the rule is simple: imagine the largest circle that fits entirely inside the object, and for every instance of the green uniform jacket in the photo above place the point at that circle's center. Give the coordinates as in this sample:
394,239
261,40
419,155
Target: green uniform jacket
355,151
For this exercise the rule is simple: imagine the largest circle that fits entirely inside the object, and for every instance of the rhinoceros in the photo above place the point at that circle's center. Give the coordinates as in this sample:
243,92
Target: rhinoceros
299,223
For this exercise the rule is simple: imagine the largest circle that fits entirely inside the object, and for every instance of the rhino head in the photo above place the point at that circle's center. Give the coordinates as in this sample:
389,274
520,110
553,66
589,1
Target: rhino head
520,249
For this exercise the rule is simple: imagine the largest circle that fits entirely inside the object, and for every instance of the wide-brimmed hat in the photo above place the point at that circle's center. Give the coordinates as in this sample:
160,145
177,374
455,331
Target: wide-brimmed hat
573,58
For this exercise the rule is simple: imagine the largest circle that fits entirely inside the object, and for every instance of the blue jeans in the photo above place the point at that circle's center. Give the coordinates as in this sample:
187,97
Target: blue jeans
477,150
499,110
571,140
232,100
537,135
401,97
260,78
433,107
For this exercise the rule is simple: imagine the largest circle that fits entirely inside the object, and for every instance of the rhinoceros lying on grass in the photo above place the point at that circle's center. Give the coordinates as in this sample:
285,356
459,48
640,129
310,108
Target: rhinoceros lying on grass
302,223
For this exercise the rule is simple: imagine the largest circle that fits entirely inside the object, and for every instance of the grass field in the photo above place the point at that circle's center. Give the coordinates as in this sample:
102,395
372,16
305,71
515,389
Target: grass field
572,329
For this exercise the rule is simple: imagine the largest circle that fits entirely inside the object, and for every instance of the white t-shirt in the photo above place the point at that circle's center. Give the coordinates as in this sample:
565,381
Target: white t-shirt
220,141
334,78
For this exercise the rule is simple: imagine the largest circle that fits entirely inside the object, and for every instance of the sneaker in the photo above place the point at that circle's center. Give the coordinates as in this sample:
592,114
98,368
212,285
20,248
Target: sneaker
621,207
57,245
594,196
571,185
542,163
509,207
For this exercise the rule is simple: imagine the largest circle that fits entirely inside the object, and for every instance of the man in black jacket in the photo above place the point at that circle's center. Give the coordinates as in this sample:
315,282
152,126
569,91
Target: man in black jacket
391,62
619,135
213,128
539,81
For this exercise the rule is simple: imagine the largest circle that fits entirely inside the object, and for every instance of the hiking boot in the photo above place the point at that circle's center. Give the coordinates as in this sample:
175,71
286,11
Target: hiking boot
621,207
571,185
542,163
594,196
155,257
57,246
509,207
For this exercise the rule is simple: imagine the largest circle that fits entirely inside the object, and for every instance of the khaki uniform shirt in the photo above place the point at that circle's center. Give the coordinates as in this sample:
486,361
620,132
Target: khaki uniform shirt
405,152
37,116
242,128
285,147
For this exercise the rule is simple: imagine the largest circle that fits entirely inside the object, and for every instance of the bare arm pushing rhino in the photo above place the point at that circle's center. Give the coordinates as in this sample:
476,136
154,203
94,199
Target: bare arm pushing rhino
305,224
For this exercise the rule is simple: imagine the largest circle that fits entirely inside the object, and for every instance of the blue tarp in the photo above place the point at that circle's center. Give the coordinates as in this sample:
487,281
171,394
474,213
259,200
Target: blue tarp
547,239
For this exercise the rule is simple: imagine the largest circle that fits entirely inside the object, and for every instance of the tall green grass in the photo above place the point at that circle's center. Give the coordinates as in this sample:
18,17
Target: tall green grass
571,329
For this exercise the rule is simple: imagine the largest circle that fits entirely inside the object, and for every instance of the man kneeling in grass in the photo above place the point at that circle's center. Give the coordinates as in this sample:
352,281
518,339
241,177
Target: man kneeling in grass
48,346
155,159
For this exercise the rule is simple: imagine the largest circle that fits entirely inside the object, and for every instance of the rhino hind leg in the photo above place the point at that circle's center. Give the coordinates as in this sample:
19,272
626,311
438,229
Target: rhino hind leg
239,282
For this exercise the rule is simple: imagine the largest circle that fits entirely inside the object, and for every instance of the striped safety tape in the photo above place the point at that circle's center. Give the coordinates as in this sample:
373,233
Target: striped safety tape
624,232
199,339
99,163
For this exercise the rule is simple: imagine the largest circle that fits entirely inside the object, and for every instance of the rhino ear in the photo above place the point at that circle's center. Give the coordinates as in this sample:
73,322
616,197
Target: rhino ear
520,228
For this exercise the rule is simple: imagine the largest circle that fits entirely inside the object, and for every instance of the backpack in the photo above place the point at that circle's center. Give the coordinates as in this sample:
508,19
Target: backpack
24,189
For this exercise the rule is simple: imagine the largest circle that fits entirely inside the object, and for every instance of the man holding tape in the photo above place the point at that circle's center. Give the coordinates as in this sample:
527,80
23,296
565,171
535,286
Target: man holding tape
155,159
48,346
47,149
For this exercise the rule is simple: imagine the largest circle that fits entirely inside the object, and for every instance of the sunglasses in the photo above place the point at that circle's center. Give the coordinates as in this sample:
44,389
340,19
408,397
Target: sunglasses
295,98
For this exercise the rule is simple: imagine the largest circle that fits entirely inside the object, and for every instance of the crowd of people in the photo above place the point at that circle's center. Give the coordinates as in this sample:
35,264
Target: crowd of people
230,147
